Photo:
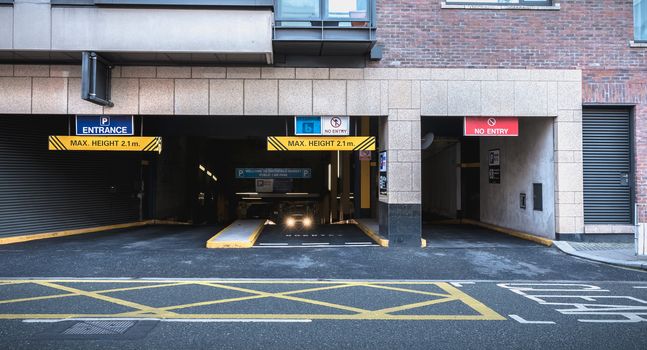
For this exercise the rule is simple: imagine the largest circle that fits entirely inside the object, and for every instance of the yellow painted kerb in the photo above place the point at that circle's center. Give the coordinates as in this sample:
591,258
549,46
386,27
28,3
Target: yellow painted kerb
373,235
378,238
46,235
541,240
211,243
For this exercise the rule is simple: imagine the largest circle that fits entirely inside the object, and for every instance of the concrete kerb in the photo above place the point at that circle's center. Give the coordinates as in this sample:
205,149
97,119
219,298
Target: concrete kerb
568,249
234,235
47,235
374,235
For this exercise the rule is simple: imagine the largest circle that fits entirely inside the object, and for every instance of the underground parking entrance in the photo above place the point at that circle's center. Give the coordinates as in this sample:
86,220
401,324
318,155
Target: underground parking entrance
270,188
481,175
216,173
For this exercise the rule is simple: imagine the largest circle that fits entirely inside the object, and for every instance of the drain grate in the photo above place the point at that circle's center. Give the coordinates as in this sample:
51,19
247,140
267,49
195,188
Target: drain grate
99,330
590,246
99,327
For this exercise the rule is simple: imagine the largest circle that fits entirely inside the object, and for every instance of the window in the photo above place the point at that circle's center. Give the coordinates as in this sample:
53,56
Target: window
347,8
502,2
327,13
298,9
332,9
640,20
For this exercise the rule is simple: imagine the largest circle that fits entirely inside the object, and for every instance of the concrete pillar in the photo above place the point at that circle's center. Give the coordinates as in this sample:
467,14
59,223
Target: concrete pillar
334,164
344,209
400,209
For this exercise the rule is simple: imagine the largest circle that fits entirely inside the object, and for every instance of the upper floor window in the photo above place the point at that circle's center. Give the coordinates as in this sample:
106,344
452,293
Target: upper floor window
331,9
640,20
501,2
341,12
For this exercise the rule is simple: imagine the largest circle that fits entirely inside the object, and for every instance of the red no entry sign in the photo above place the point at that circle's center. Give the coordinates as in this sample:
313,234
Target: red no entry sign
491,126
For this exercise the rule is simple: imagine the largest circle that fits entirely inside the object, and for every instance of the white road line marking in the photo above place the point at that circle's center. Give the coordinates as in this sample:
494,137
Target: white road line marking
273,244
459,284
521,320
640,287
318,243
367,243
187,320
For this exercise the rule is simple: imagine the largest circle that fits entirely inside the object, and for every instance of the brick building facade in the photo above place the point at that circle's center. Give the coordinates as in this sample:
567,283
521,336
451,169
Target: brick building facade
593,36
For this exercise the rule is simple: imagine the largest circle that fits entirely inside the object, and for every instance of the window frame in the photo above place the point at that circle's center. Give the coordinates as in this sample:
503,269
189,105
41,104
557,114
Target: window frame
323,17
636,42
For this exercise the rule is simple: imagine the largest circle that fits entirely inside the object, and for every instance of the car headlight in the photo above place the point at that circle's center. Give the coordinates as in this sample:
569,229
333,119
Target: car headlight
307,222
290,222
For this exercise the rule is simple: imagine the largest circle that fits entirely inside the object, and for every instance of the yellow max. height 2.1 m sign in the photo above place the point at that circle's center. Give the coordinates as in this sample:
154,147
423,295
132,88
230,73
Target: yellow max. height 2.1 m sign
309,143
106,143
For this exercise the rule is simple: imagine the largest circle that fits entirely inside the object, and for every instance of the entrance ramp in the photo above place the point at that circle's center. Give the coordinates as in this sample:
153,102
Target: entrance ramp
240,234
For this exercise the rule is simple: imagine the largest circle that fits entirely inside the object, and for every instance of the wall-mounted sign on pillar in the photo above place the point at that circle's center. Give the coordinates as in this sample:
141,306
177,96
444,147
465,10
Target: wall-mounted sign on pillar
383,182
494,166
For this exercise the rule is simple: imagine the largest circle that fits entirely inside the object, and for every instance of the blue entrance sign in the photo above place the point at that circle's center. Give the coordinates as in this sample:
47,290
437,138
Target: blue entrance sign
273,173
307,125
104,125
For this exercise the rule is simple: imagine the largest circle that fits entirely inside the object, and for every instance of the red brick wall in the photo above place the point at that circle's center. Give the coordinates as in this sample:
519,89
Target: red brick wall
582,34
592,35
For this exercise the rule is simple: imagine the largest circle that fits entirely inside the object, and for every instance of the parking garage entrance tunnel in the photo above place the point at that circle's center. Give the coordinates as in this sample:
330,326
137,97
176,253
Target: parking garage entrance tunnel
504,183
211,172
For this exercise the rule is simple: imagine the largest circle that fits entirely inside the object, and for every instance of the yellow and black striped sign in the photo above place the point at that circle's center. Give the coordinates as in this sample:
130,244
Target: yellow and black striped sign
106,143
308,143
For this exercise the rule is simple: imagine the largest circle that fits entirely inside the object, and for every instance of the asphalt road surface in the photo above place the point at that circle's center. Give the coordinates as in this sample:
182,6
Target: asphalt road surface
157,288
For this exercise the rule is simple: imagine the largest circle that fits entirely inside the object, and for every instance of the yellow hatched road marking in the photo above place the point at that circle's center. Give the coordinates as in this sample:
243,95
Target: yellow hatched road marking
109,299
413,291
56,296
471,302
412,306
144,311
286,295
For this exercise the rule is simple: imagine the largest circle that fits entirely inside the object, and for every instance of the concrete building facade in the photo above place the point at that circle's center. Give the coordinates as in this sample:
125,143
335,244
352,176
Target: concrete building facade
542,63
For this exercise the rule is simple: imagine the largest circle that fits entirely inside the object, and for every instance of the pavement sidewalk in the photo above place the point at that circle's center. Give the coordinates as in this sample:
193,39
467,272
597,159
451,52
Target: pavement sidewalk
622,254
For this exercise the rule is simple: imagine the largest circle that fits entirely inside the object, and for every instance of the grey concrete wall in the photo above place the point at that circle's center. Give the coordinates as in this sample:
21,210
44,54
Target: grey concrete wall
525,160
36,25
440,181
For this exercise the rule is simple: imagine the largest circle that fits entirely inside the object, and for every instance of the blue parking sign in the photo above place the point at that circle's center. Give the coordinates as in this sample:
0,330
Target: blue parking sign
307,125
104,125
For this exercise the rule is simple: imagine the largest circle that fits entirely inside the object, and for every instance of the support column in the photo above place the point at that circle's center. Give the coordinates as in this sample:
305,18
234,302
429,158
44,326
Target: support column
334,181
400,209
569,187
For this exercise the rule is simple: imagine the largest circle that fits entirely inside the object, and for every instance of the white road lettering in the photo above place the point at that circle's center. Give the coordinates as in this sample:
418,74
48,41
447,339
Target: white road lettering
609,308
522,320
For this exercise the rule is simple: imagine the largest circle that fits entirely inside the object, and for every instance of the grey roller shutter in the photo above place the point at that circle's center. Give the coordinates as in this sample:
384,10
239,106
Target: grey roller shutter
44,191
607,166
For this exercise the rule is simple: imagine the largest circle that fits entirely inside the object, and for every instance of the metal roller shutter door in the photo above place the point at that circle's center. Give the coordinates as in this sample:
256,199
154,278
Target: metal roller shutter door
43,191
607,166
